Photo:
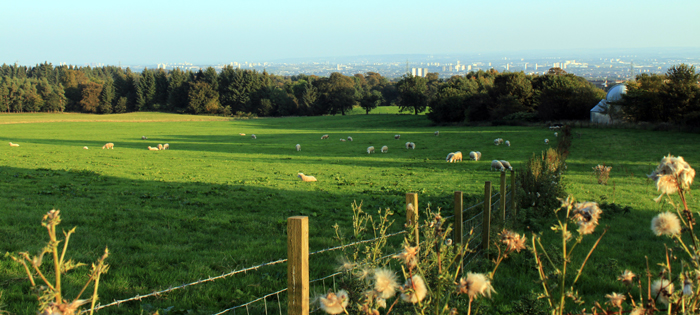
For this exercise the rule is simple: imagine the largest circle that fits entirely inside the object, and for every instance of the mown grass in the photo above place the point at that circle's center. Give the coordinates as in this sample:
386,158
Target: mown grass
218,201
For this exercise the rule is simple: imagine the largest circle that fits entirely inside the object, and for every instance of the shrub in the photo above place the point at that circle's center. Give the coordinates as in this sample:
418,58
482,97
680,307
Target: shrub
539,187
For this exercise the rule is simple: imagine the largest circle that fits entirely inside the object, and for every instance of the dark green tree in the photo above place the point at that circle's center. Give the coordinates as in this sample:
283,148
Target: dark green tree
90,92
106,98
371,100
413,94
202,98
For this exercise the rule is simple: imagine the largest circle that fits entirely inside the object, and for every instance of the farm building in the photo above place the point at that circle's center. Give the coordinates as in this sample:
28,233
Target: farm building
599,113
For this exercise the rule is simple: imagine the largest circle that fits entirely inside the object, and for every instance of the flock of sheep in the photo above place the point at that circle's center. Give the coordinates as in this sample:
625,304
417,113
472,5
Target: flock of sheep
110,145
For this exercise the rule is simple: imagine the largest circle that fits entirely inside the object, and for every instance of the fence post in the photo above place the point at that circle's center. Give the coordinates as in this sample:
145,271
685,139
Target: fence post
513,191
458,236
298,265
502,203
486,225
412,214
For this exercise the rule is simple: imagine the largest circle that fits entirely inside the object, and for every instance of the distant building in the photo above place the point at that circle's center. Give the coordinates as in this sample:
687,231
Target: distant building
601,112
420,72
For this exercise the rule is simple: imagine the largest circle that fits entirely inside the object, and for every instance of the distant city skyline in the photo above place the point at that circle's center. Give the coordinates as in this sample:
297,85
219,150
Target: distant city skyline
212,32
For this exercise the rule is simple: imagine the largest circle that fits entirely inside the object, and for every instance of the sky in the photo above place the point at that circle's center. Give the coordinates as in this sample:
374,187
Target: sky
213,32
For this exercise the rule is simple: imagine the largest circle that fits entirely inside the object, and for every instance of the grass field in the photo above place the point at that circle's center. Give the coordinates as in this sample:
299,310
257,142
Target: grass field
217,202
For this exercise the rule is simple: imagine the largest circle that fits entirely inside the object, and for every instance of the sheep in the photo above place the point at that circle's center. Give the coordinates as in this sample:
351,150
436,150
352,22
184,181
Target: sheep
108,146
350,139
397,137
14,144
556,134
85,148
150,148
437,133
496,165
298,147
241,134
546,141
458,156
166,146
507,143
160,146
385,149
450,157
253,136
413,145
473,156
498,141
305,178
144,138
410,145
478,156
506,164
324,137
342,140
370,150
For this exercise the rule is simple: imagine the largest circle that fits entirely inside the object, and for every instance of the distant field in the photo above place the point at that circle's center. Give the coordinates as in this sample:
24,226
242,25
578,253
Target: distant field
218,201
357,110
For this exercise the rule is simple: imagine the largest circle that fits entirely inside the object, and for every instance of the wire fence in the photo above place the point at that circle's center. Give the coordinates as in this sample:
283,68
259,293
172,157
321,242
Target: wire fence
271,302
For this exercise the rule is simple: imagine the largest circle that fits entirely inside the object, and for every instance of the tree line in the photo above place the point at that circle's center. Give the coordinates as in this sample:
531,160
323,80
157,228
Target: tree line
476,96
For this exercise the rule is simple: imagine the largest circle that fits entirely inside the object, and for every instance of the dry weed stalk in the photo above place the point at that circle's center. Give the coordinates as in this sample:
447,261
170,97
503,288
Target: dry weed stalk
602,172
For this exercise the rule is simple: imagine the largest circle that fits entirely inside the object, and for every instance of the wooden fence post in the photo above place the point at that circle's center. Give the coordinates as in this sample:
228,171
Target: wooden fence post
298,265
486,225
502,203
412,216
458,236
513,191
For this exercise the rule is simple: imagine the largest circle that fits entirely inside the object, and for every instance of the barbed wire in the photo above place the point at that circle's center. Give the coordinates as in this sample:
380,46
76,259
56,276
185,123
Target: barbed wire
253,301
356,243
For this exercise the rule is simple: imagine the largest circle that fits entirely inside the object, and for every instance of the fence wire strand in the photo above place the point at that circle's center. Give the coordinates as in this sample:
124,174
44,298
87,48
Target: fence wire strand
356,243
251,302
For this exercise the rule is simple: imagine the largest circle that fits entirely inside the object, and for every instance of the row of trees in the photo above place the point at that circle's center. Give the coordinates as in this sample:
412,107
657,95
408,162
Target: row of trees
476,96
673,97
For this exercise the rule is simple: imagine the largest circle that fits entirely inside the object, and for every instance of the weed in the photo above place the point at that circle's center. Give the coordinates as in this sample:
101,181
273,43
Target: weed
602,173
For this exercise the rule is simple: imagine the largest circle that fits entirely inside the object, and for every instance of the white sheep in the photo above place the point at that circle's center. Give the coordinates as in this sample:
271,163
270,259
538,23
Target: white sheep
495,141
413,145
546,141
108,146
410,145
166,146
478,156
496,165
150,148
298,147
458,156
473,156
506,164
85,148
324,137
385,149
556,134
350,139
253,136
397,136
160,146
143,138
507,143
450,157
437,133
14,144
241,134
342,140
370,150
306,178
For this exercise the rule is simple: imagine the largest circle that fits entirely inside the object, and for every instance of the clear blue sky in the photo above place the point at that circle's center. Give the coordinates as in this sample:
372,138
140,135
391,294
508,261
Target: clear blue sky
205,32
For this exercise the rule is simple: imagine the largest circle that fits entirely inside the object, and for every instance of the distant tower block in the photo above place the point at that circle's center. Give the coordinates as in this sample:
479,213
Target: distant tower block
525,67
420,72
425,71
413,72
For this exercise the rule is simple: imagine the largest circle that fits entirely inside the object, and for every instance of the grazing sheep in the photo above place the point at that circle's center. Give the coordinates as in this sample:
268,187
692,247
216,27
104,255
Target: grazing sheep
324,137
305,178
437,133
413,145
546,141
85,148
166,146
498,141
342,140
458,156
385,149
160,146
506,164
478,156
298,147
241,134
473,156
108,146
450,157
150,148
143,138
14,144
556,134
410,145
507,143
370,150
253,136
350,139
496,165
397,136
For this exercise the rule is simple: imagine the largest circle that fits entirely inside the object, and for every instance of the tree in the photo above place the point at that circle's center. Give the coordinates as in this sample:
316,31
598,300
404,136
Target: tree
146,91
178,90
31,99
56,101
336,94
566,97
680,95
90,97
106,98
202,98
413,93
371,100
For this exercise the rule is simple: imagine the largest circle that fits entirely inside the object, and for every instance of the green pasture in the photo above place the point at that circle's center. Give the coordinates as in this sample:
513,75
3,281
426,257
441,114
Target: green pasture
217,201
